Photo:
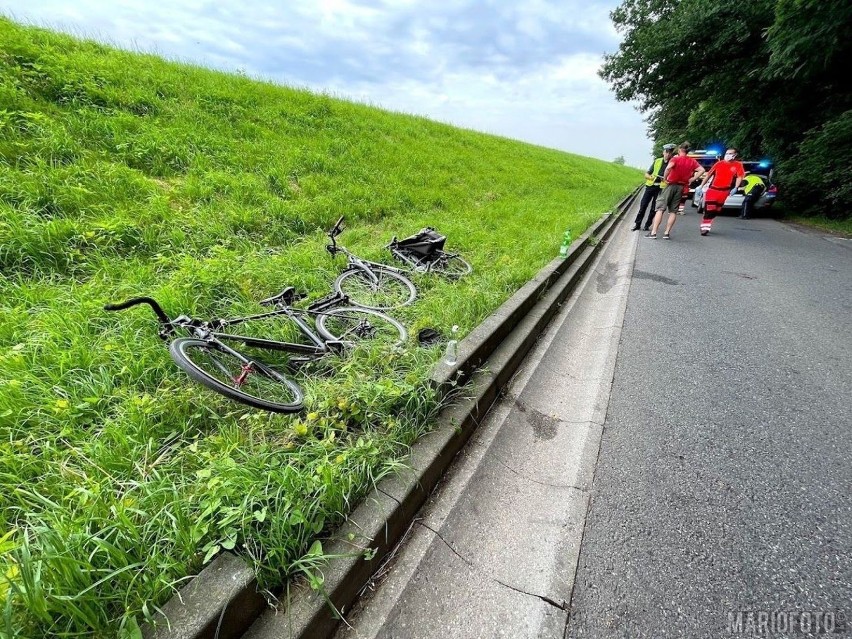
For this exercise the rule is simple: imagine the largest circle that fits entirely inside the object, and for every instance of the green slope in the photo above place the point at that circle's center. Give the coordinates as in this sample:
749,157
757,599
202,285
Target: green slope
124,174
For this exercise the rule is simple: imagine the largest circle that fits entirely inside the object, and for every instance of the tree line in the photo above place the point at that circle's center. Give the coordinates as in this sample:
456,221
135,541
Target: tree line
765,76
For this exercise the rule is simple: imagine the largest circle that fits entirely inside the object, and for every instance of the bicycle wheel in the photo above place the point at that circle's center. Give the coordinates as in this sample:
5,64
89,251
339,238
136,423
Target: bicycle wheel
238,378
451,266
347,324
392,290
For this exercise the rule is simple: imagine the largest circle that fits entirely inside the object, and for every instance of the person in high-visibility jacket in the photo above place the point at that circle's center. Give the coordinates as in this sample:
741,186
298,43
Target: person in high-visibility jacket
654,183
753,187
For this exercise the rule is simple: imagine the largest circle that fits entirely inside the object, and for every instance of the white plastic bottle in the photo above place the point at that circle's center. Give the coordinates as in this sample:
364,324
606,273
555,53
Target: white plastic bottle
451,356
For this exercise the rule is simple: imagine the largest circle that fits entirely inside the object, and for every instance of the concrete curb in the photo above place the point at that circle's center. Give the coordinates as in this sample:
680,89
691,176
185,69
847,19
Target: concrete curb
221,601
224,595
482,340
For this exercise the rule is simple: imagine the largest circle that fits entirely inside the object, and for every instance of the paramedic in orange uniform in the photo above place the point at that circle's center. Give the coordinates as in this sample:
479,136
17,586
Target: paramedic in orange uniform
725,178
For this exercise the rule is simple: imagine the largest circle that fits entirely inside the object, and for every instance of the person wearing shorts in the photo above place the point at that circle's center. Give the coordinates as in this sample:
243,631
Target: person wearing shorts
725,178
653,185
680,171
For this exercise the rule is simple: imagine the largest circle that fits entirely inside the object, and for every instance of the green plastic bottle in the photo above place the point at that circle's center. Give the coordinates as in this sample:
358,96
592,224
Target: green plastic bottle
566,242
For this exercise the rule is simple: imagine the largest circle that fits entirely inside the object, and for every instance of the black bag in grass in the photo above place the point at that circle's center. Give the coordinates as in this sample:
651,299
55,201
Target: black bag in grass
424,243
429,337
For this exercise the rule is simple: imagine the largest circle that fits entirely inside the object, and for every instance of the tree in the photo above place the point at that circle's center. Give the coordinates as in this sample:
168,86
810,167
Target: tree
809,43
689,83
619,160
764,76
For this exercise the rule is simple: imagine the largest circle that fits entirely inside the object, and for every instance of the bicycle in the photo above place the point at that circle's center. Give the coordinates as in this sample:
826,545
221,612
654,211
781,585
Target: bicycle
208,359
368,284
424,253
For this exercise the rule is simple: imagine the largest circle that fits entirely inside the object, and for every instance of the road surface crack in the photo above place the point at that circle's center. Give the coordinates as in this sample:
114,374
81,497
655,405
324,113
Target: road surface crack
561,606
388,495
448,545
540,483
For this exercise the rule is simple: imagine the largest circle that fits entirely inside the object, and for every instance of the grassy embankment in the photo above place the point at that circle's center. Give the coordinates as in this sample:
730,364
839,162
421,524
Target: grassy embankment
122,174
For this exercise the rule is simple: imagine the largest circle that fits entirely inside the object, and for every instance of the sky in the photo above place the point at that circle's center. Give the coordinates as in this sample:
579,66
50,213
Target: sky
522,69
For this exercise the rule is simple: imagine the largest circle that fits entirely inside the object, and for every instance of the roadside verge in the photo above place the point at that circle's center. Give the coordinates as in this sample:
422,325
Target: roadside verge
222,601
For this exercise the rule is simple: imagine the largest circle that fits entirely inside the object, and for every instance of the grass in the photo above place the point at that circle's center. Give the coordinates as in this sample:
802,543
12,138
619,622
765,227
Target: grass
123,174
823,223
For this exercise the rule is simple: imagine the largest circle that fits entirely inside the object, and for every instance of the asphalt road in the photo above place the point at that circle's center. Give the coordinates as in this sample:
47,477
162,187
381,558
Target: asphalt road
724,482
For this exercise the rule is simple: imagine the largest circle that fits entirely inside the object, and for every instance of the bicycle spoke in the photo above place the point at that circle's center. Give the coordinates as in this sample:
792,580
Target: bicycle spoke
451,265
388,291
354,330
211,362
246,379
351,325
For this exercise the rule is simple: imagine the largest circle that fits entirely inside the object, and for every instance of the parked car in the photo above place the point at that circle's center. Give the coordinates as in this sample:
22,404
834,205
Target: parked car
765,201
706,158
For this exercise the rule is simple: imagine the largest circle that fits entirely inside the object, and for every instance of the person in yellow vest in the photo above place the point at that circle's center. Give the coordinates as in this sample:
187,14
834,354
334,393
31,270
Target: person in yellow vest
654,183
753,187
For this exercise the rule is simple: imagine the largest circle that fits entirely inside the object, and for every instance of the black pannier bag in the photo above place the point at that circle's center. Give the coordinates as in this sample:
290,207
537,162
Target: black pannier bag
426,243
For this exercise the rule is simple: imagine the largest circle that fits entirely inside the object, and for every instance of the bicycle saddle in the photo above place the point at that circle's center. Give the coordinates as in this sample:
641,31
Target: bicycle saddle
285,297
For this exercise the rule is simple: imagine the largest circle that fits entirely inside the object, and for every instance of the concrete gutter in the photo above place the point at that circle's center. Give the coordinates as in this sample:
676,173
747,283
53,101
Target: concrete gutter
222,601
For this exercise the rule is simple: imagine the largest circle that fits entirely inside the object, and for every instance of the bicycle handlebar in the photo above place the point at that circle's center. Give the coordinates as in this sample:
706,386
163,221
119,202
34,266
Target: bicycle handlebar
337,229
158,311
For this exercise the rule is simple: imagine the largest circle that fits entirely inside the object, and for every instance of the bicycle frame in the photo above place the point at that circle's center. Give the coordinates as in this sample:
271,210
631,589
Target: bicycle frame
319,347
355,263
228,376
422,265
210,330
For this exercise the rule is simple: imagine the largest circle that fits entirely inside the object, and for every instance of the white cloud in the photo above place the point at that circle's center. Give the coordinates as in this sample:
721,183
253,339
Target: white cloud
524,69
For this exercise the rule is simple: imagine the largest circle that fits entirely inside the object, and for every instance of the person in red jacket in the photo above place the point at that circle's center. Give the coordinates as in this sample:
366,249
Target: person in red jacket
680,171
725,178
